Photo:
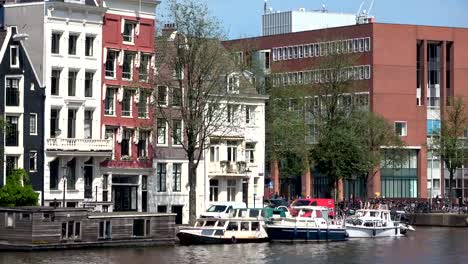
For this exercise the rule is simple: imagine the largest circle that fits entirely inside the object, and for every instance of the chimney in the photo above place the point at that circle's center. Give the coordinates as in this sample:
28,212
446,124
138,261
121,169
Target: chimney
169,28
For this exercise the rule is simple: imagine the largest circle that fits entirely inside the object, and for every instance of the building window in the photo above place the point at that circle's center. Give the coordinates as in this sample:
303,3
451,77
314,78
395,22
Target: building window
214,190
33,123
105,184
54,122
161,177
14,56
142,144
129,31
72,41
111,63
89,46
177,174
176,97
125,144
231,190
161,129
33,161
232,151
88,124
214,151
144,67
12,132
143,105
250,152
89,76
72,83
367,44
162,208
11,164
127,103
127,67
367,72
249,114
401,129
162,95
177,132
12,92
233,82
55,82
71,128
55,48
71,174
231,111
110,102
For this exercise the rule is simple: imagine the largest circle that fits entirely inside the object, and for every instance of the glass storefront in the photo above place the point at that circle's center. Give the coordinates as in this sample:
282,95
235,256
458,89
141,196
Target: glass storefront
125,192
400,180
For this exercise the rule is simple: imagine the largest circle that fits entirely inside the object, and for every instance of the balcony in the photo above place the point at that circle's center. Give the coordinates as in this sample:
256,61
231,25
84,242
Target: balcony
226,168
96,146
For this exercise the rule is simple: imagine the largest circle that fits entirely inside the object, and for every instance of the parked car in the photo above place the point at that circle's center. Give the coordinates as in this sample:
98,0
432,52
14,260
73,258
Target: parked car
221,209
273,203
329,203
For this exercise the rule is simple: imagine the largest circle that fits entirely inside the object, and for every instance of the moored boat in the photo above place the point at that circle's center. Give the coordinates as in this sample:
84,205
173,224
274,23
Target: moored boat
369,223
243,226
311,224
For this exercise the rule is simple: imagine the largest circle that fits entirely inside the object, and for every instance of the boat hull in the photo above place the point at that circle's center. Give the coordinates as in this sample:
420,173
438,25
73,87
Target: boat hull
369,232
291,234
195,239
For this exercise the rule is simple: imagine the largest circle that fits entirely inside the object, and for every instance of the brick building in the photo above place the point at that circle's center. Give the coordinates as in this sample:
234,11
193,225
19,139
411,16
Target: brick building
408,74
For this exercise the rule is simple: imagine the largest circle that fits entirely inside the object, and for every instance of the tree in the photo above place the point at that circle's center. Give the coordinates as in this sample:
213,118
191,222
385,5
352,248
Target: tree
17,190
201,77
450,146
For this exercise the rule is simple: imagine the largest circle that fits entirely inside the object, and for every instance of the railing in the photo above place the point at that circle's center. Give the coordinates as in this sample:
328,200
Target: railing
224,167
12,97
74,144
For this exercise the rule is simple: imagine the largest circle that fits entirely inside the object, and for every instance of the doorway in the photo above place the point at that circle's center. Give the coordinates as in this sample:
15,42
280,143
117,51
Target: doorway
177,209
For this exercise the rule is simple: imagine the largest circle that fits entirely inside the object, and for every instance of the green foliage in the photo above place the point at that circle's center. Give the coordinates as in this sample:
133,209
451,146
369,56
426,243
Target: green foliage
450,145
14,193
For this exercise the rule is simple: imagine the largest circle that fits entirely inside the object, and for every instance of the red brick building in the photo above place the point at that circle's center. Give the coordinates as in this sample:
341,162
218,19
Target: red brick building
128,64
407,72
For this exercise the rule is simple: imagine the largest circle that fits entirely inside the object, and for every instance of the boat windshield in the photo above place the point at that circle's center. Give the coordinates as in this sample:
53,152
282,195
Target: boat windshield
216,209
300,203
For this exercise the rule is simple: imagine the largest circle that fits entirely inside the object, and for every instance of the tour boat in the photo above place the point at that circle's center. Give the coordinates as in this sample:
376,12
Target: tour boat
243,226
367,223
311,224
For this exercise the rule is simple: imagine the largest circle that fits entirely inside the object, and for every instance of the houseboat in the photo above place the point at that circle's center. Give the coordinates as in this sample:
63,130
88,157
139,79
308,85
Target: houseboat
44,228
311,224
368,223
242,226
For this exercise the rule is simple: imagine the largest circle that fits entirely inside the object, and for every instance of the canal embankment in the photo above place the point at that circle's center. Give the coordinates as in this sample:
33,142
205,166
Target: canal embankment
438,219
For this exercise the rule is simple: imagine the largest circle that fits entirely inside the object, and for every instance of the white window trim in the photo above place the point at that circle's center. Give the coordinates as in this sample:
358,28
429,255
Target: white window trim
31,114
166,135
17,65
166,102
406,128
181,133
132,91
114,96
93,46
20,90
134,23
35,160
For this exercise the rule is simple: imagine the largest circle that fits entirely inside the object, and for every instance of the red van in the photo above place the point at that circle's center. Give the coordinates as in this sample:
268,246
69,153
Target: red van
329,203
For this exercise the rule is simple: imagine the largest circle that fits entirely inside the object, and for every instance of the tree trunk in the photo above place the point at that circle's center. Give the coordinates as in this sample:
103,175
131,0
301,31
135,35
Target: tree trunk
193,192
451,172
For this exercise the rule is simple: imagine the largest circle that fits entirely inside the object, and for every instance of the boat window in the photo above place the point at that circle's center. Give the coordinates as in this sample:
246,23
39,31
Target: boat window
210,223
199,223
369,224
314,203
254,213
301,203
230,209
234,213
233,226
255,226
207,232
306,213
245,226
221,223
319,214
242,213
219,233
216,209
373,214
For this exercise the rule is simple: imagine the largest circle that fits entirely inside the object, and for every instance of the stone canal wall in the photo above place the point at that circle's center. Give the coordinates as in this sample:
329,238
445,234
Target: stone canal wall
448,220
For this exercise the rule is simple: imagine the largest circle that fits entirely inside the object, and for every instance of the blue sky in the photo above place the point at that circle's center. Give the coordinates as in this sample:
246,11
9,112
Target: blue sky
242,18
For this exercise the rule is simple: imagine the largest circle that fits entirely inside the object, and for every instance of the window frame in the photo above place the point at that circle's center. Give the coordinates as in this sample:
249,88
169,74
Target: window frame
76,36
177,177
91,88
404,128
17,64
55,51
161,177
35,124
161,128
106,111
34,154
132,33
127,95
176,142
87,48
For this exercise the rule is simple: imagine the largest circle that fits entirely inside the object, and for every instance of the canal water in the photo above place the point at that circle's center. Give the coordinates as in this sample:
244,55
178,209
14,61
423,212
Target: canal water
426,245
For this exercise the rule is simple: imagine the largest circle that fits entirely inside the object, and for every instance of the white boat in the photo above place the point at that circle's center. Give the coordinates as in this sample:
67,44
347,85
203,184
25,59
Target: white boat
367,223
310,225
243,226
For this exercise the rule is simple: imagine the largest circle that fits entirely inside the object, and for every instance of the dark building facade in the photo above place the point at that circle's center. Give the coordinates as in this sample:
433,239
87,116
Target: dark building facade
22,107
408,74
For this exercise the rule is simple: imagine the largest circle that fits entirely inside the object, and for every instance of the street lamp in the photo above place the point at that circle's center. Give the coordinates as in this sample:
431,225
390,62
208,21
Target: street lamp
64,179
